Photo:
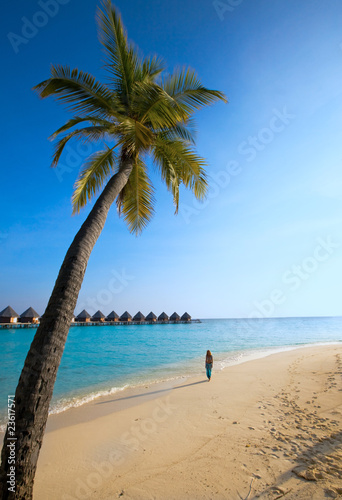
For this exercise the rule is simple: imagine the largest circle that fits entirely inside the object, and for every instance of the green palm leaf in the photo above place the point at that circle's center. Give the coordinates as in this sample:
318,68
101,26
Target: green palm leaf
155,107
79,91
134,136
87,134
77,120
180,95
92,177
184,131
164,159
136,200
151,68
122,61
188,93
178,163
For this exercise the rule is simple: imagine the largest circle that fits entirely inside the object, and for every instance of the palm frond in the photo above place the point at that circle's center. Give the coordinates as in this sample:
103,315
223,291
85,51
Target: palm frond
155,107
122,60
187,91
179,163
135,202
92,177
178,97
87,134
134,136
77,120
78,90
151,68
163,158
184,131
192,167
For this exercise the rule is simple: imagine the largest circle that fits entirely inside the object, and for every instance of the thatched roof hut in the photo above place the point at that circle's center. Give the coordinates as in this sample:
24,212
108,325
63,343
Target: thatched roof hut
163,317
98,316
186,317
126,317
112,316
139,317
151,317
8,315
174,317
29,316
83,317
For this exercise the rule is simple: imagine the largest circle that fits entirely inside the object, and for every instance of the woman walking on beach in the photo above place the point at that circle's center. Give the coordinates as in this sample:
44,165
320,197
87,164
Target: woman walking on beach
209,364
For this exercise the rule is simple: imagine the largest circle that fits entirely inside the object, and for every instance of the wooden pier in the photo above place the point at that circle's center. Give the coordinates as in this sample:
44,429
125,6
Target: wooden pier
10,326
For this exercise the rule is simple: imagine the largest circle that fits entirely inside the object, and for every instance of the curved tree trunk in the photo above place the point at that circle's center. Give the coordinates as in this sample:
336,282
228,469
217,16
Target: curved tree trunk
35,387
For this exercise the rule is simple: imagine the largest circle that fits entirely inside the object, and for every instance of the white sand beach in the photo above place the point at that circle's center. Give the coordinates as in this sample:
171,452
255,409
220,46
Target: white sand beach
267,428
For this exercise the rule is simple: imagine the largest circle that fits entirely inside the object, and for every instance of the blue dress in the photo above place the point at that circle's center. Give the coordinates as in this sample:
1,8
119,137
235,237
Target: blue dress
209,367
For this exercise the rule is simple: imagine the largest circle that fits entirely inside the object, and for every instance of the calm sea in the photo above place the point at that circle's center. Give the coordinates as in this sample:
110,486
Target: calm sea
100,360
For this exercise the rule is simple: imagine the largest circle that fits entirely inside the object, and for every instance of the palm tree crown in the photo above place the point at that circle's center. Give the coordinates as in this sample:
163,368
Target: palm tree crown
138,113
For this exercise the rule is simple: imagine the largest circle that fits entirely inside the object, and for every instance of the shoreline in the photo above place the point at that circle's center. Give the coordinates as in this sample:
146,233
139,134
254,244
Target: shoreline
226,359
149,390
269,425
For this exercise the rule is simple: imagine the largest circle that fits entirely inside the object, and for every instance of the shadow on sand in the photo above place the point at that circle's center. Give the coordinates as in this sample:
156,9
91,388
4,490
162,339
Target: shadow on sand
143,394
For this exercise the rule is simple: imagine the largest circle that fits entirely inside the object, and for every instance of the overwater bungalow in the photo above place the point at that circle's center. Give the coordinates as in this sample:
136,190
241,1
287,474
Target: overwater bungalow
174,317
186,317
8,315
112,316
98,317
163,317
83,317
29,316
126,317
151,317
139,317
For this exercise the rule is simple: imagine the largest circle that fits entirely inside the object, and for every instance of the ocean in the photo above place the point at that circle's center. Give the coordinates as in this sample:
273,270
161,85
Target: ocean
100,360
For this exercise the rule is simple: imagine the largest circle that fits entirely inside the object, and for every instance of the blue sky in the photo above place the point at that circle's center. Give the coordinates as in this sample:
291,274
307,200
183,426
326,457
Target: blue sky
267,241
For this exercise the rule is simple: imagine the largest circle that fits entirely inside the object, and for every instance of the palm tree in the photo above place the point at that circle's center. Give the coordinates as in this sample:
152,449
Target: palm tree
138,114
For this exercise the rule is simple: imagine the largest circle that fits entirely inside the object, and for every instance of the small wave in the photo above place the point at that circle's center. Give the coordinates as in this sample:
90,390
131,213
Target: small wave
64,404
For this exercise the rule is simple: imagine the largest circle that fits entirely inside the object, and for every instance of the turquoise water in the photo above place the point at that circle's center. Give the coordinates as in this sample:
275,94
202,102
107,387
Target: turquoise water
102,359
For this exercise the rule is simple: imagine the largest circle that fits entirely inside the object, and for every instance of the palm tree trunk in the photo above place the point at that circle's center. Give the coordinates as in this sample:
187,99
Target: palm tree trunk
35,387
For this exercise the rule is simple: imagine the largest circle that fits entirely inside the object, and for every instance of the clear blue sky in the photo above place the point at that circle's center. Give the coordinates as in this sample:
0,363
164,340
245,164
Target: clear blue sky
268,240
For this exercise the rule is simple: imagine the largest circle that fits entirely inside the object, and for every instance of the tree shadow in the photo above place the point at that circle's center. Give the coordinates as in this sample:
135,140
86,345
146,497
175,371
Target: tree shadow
306,459
152,393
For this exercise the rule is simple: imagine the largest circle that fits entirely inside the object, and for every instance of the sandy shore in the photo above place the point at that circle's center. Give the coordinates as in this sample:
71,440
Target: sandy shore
268,428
